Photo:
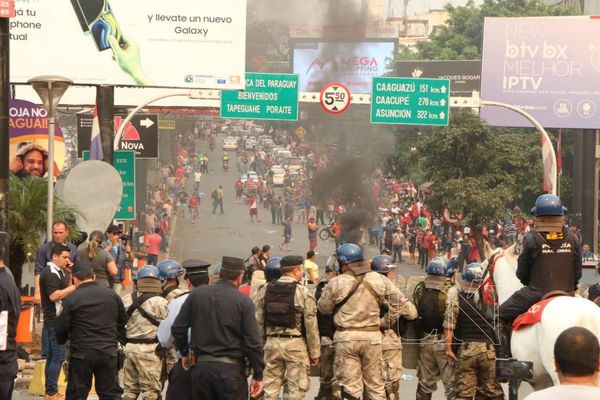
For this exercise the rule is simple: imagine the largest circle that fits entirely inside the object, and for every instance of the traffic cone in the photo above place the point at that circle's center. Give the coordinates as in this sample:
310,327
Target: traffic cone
127,280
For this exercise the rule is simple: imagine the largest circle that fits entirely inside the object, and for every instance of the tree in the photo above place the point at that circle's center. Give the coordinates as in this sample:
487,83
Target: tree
477,173
27,216
462,37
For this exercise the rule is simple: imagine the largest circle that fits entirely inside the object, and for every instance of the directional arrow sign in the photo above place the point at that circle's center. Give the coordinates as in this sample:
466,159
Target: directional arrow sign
410,101
146,123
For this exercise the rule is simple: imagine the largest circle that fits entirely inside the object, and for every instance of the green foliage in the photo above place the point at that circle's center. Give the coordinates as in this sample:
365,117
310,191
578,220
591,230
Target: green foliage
462,37
27,216
478,172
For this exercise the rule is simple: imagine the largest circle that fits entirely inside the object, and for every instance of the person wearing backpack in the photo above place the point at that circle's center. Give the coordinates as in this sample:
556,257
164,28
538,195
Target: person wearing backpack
430,299
145,309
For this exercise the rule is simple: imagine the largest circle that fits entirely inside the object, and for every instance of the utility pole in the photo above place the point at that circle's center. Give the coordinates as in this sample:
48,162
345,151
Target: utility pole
4,136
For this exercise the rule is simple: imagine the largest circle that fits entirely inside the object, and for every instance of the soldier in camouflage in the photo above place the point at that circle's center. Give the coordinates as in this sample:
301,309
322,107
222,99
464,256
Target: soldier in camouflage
170,271
391,343
326,331
287,314
356,298
145,309
466,324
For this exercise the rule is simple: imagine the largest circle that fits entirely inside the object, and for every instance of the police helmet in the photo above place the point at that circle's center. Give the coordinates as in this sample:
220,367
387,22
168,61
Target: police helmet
440,266
148,271
548,205
382,264
349,253
473,273
170,269
273,269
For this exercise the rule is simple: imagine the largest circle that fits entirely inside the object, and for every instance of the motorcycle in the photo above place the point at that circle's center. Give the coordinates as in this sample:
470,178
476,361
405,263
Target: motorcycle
225,165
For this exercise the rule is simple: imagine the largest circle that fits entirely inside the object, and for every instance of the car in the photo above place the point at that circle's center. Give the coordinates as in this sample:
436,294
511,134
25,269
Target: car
251,175
292,164
250,143
230,143
282,155
278,175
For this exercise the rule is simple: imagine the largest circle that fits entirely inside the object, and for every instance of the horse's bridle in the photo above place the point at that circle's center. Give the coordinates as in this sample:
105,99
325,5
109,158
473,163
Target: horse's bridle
489,271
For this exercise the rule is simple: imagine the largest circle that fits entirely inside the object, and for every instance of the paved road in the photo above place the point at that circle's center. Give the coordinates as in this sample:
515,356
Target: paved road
232,234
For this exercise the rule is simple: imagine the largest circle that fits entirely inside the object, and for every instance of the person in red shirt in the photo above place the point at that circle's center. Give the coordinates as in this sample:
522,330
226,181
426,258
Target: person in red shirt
153,244
430,244
336,230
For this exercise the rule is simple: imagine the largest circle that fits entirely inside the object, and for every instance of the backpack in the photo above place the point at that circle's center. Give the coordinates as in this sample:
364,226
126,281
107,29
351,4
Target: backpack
213,195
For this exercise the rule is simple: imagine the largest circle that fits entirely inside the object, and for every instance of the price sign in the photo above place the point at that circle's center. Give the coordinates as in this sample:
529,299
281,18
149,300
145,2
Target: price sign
7,8
335,98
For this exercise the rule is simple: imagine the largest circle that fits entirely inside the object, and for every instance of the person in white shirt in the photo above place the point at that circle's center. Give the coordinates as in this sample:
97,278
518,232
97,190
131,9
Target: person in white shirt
577,362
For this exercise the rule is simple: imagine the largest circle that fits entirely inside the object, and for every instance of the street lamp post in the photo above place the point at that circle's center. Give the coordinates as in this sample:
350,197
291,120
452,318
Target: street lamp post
50,88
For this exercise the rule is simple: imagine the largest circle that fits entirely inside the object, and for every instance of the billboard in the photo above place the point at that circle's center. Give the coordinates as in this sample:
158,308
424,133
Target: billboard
177,43
353,64
546,66
464,75
28,130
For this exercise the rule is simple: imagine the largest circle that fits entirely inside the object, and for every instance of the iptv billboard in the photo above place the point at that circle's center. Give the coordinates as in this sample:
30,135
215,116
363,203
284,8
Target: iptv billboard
353,64
175,43
547,66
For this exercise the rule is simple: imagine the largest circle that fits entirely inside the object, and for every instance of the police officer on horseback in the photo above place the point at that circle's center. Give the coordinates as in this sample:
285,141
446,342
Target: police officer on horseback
549,262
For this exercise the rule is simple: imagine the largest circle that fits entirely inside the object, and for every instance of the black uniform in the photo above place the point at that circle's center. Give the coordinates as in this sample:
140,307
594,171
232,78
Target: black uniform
94,319
9,301
544,266
224,332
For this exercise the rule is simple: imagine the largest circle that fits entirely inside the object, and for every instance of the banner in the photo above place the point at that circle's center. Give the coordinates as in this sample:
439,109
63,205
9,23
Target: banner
464,75
28,131
176,43
546,66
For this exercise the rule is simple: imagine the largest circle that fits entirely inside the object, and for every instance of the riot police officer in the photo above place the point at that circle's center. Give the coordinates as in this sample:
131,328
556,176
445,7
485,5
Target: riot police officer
326,331
286,311
356,298
550,261
170,271
465,324
430,298
391,343
145,309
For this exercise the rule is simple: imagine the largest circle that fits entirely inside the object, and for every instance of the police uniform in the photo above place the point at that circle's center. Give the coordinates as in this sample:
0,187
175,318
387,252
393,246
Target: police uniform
287,313
180,381
143,367
223,334
433,364
476,366
358,352
326,332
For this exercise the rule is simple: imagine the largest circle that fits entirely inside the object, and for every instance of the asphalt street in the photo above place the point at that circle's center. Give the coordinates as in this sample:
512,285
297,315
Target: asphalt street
233,234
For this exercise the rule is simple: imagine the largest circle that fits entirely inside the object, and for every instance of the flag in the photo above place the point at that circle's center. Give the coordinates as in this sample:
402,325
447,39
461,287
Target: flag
559,153
96,152
549,165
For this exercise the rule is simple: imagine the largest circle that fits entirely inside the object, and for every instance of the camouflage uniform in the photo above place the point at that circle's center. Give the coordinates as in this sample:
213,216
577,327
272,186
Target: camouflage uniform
174,293
358,339
433,364
476,367
326,378
287,351
142,369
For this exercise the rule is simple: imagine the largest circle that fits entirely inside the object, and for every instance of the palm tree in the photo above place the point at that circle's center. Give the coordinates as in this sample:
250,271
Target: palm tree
27,216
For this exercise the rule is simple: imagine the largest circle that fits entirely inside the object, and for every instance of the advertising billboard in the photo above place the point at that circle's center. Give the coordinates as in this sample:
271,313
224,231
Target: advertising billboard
353,64
464,75
547,66
177,43
28,131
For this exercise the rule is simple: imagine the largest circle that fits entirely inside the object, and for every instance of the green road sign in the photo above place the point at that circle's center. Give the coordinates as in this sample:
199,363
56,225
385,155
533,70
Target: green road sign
124,162
267,96
410,101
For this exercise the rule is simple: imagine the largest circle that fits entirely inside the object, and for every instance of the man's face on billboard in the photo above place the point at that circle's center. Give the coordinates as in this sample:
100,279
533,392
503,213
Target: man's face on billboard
33,163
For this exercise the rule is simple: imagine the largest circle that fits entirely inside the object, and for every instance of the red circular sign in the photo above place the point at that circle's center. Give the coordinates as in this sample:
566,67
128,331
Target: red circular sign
335,98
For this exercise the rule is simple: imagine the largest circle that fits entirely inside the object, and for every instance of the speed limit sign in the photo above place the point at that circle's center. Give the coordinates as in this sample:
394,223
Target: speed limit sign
335,98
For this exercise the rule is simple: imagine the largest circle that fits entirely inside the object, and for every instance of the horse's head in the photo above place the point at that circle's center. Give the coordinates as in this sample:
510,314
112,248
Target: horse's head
503,267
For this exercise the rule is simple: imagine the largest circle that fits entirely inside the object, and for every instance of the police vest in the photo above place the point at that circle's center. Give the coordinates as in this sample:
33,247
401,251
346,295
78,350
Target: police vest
431,306
472,325
554,267
324,321
280,310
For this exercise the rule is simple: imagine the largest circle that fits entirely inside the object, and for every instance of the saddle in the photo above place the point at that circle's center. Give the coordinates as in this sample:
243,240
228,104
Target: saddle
534,314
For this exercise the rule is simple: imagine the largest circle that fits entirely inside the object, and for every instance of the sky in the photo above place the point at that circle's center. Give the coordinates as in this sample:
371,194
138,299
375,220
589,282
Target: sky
421,6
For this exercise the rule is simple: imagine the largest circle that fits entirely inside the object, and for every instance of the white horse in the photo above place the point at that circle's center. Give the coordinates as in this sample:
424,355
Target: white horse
536,342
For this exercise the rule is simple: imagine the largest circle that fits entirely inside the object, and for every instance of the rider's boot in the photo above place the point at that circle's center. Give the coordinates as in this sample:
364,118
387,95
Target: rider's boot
504,335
